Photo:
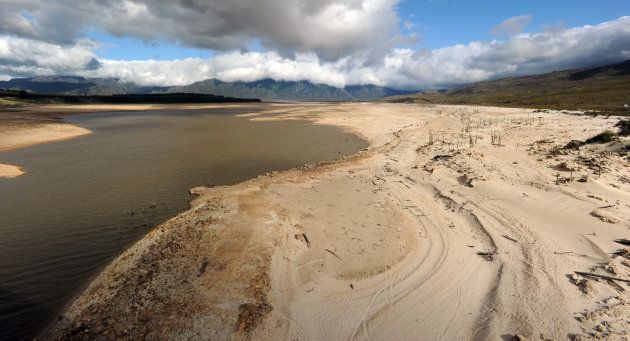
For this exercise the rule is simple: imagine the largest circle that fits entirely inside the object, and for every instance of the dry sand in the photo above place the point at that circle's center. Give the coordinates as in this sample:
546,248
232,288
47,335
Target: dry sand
384,244
10,171
24,135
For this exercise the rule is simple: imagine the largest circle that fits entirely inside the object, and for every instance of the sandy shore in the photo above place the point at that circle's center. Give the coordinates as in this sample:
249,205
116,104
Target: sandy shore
19,134
456,223
24,135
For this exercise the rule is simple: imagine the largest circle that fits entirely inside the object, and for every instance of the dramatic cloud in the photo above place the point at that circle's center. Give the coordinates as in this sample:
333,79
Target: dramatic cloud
520,54
332,29
512,26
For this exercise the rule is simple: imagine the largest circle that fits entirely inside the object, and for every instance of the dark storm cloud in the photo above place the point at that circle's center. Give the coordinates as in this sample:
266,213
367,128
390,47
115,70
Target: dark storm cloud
330,28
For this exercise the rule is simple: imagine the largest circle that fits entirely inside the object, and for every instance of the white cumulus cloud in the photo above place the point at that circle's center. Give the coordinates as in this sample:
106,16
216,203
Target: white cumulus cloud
25,57
311,58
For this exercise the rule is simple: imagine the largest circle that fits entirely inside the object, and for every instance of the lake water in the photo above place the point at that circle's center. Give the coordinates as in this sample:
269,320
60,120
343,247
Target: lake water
71,213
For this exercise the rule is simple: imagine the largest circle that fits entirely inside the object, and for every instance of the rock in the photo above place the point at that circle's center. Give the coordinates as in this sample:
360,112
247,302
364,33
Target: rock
604,217
145,315
581,283
574,144
251,314
468,180
119,329
568,166
610,269
142,279
518,337
303,238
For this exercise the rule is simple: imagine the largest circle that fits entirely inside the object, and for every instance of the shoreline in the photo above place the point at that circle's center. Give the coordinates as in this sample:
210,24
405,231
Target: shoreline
395,228
22,136
25,136
25,126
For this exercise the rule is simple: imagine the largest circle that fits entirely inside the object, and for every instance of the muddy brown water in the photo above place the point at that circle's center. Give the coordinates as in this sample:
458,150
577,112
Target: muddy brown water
71,213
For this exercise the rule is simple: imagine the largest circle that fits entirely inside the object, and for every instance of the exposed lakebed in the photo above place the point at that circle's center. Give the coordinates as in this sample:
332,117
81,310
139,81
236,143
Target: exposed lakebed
82,201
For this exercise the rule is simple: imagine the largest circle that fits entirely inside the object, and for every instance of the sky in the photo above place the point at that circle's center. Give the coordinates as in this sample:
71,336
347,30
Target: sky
421,44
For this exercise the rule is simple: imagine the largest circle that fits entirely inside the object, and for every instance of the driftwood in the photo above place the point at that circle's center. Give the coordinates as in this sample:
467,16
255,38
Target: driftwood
487,255
569,252
334,254
442,157
602,276
509,238
625,242
404,184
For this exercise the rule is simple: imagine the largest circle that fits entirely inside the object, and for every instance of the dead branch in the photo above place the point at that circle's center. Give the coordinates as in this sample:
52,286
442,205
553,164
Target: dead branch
602,276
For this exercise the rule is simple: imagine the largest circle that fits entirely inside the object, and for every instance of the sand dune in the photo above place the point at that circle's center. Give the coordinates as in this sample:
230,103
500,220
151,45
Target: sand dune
456,223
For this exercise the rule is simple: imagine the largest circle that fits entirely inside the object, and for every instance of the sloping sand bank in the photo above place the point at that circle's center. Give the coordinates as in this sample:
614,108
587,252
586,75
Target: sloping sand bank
24,135
456,223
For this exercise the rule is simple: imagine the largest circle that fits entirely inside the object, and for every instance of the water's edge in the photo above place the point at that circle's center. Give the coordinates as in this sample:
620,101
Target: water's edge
99,270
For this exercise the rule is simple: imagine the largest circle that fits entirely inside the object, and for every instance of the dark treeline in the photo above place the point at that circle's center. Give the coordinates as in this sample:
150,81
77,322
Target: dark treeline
123,99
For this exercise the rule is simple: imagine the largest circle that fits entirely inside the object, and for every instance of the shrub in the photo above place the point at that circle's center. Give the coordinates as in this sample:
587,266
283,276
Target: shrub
624,127
603,137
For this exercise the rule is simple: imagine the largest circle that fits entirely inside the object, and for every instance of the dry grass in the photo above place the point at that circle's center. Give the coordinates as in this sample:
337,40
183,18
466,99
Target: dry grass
599,90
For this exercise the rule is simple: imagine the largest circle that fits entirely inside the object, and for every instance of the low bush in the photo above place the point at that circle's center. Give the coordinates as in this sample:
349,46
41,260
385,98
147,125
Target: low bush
624,127
602,137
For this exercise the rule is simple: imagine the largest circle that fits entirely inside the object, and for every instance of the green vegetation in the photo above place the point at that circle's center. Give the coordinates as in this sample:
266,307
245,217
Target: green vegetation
604,89
603,137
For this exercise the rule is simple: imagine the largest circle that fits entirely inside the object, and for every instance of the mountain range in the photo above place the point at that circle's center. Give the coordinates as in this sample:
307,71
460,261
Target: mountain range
266,89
